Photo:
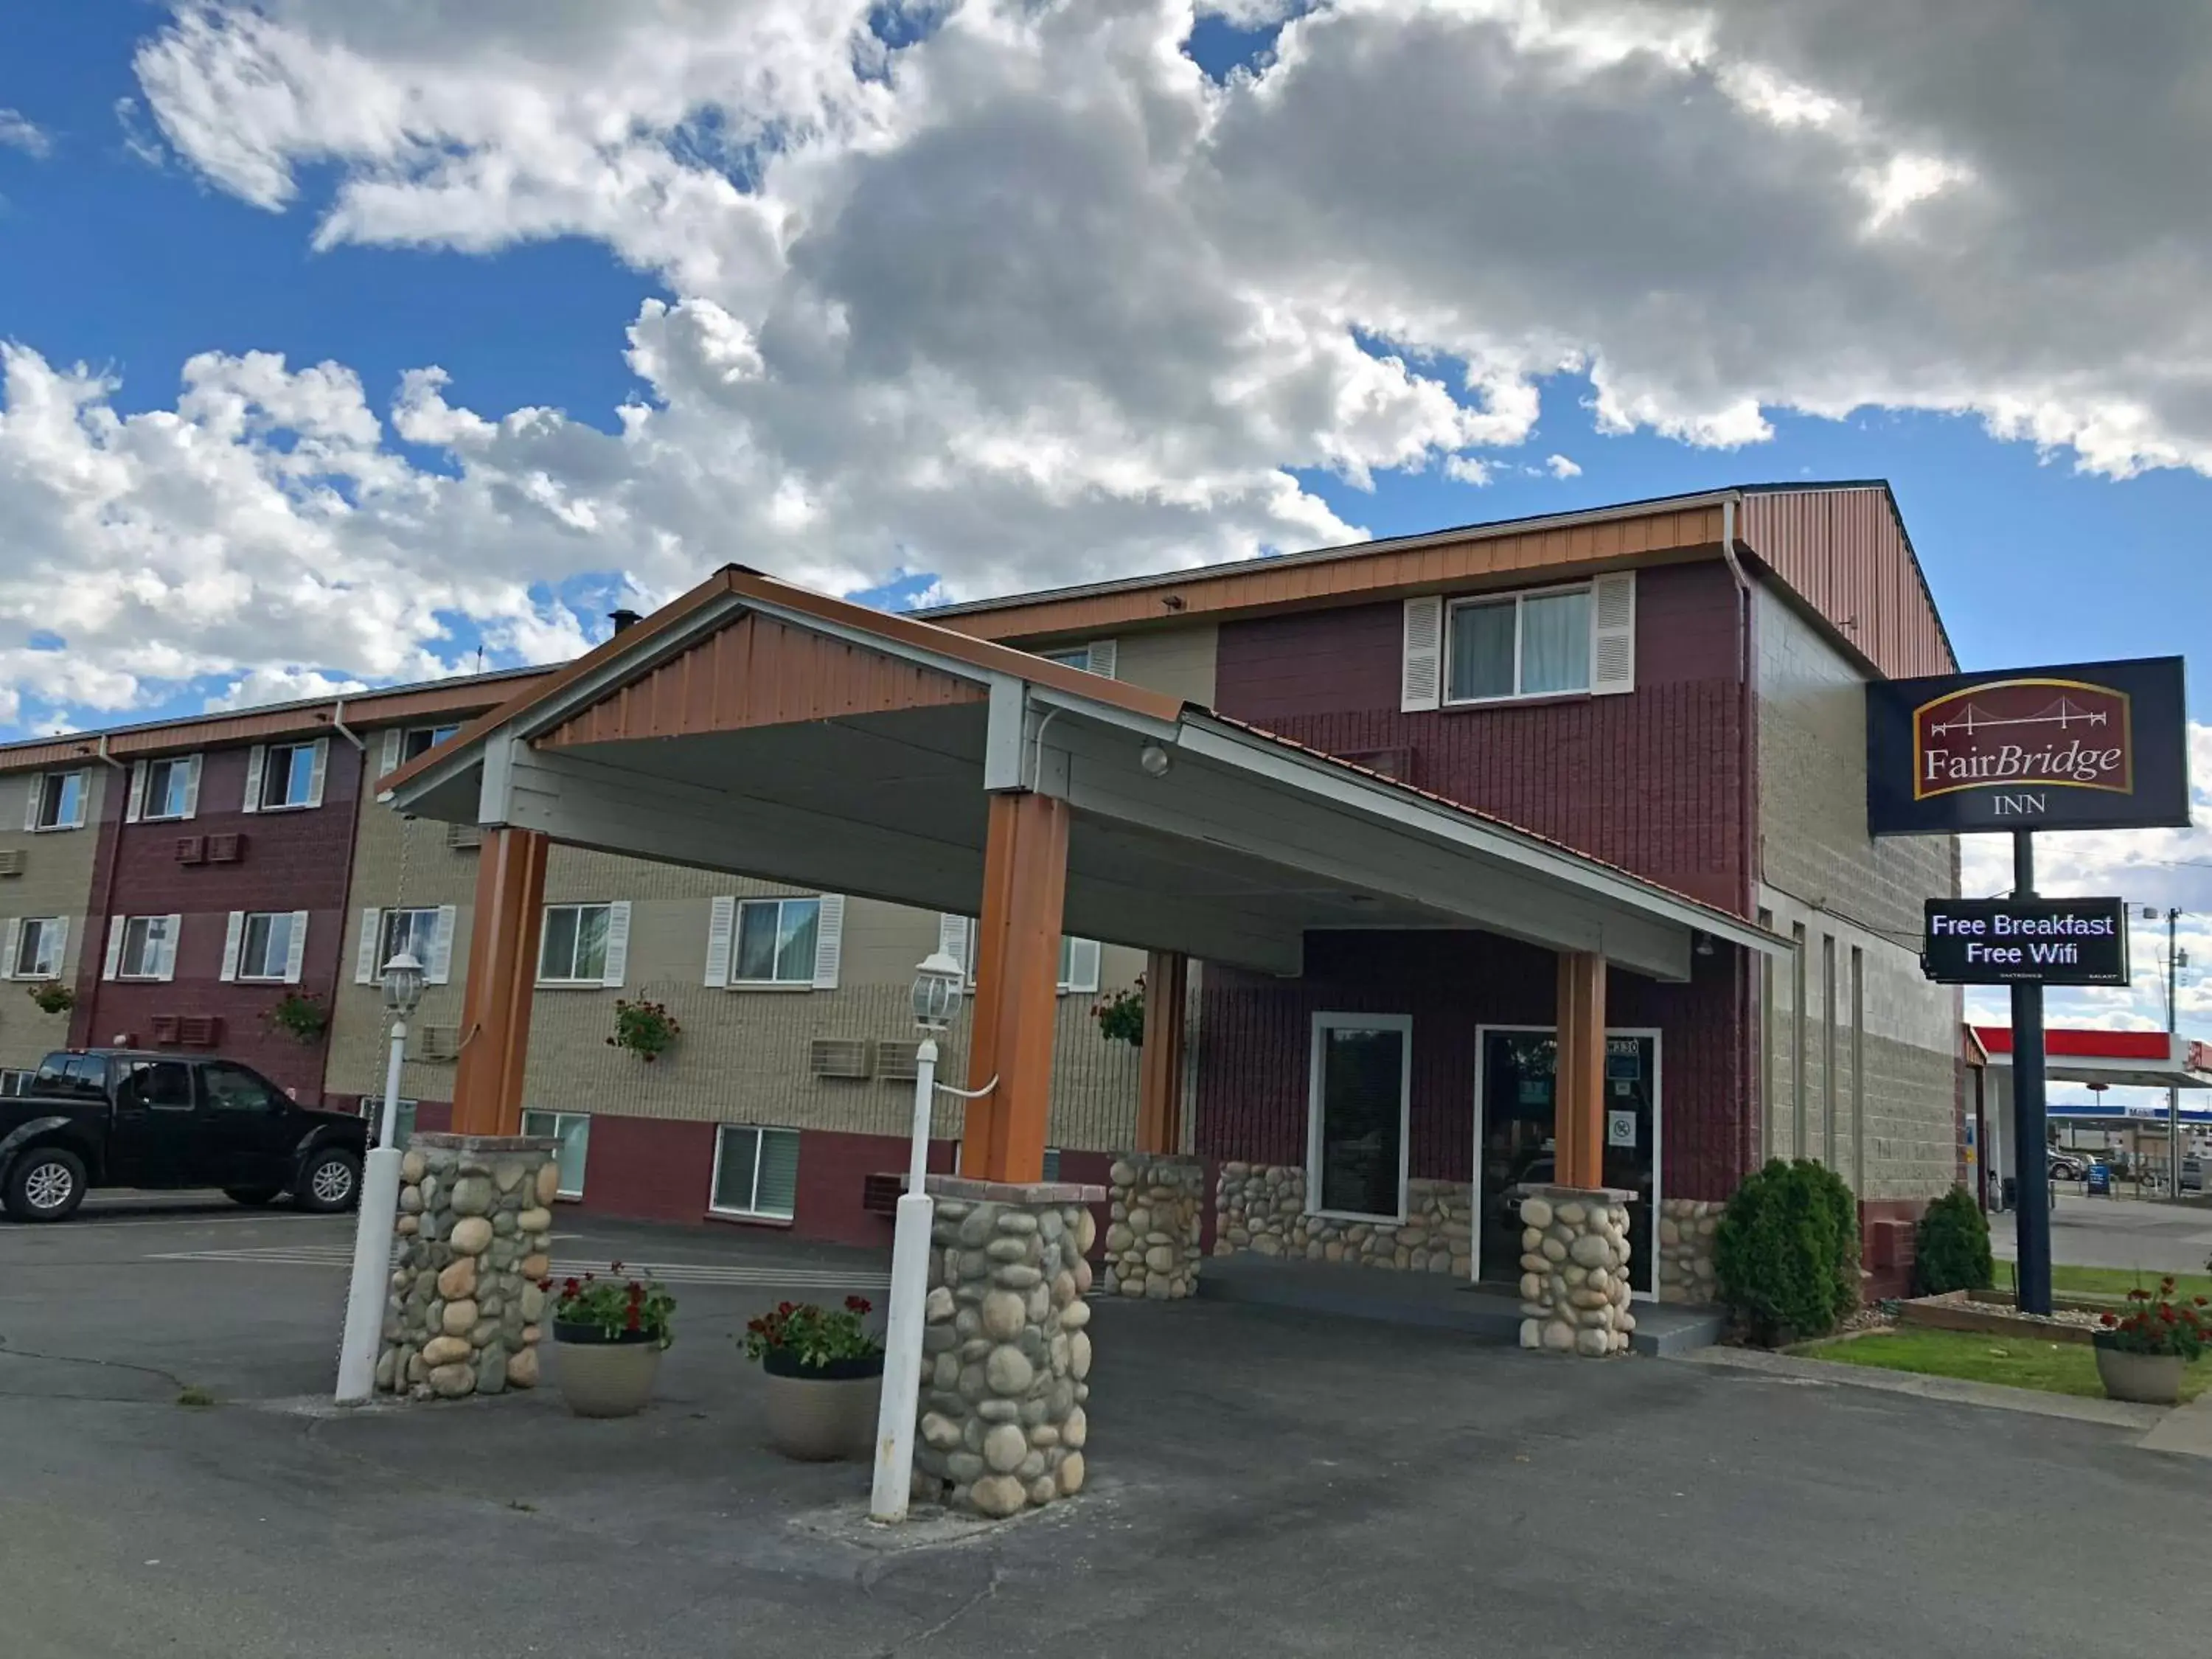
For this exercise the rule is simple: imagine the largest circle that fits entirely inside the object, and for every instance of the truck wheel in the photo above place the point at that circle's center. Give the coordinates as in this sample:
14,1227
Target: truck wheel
330,1181
252,1197
45,1184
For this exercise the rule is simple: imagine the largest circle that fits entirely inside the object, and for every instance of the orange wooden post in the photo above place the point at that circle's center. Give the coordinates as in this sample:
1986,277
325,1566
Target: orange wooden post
1578,1100
502,979
1017,973
1159,1074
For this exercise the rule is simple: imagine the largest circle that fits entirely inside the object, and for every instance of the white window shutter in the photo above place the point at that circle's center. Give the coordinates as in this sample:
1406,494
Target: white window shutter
440,968
170,935
365,965
1103,654
617,943
1082,964
135,809
256,759
233,932
8,945
392,739
952,939
61,945
1613,634
295,958
1421,677
31,806
116,927
721,928
192,787
315,777
829,942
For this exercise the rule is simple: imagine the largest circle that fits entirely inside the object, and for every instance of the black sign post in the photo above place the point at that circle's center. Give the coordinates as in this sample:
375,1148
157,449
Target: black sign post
2079,746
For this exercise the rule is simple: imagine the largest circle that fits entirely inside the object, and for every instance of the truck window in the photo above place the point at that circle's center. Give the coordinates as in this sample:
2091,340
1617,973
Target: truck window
82,1076
233,1089
163,1085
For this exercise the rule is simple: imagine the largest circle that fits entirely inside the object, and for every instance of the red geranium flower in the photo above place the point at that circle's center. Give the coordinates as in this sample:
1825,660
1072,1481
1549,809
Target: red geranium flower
858,1304
2109,1320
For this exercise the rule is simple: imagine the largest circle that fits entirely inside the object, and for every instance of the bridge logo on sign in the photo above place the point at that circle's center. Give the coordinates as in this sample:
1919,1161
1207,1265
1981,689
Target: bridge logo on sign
2026,734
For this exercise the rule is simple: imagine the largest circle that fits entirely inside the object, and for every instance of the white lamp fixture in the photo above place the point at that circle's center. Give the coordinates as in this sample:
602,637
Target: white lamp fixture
936,992
403,984
1154,760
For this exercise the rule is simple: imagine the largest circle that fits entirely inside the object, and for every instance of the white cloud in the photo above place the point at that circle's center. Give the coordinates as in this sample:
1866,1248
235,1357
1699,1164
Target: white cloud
1561,467
19,132
268,685
1030,299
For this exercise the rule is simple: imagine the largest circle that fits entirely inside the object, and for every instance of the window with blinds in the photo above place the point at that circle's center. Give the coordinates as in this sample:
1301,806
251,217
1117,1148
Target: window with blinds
756,1172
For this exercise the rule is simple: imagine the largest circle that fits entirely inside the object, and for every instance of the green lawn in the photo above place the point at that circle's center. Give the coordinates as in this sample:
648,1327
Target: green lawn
2053,1367
2108,1282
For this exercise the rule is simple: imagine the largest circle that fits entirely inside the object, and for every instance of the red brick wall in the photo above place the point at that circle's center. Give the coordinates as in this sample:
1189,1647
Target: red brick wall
1650,780
648,1168
292,860
1253,1061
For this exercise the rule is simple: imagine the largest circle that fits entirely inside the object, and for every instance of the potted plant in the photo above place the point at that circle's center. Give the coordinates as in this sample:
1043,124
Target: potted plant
52,996
1120,1015
824,1371
2141,1354
610,1334
645,1029
299,1016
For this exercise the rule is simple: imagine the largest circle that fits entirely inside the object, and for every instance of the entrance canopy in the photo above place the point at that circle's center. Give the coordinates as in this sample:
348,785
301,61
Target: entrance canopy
759,728
2125,1060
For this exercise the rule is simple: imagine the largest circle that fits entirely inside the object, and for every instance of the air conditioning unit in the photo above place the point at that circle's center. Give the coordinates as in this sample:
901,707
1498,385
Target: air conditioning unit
438,1042
465,837
895,1060
880,1193
12,861
226,849
200,1030
192,849
167,1028
839,1056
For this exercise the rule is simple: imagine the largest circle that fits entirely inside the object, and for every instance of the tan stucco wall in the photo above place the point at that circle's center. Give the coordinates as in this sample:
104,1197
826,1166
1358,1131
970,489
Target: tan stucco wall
1822,872
1177,662
60,866
744,1056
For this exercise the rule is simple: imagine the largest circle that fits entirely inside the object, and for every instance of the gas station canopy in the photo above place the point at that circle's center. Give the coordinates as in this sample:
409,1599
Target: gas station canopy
2124,1060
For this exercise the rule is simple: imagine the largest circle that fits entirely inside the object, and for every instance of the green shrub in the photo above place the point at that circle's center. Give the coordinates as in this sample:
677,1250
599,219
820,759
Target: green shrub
1787,1252
1951,1247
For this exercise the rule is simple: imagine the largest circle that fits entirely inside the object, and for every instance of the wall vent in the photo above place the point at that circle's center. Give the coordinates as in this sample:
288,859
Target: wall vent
465,837
839,1056
192,849
438,1042
226,849
895,1061
12,861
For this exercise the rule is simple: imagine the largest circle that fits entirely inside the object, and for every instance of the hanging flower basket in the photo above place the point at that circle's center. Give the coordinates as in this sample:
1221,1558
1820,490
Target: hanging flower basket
1120,1015
52,996
648,1030
299,1016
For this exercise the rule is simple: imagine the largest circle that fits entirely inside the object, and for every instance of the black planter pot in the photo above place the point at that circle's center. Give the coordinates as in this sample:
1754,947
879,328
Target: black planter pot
782,1362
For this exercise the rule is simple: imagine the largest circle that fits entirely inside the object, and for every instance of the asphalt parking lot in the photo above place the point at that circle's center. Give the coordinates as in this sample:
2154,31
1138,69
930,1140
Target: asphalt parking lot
1262,1483
2146,1235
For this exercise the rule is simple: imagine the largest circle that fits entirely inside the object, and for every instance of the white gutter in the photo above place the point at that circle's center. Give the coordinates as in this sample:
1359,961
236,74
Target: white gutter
339,725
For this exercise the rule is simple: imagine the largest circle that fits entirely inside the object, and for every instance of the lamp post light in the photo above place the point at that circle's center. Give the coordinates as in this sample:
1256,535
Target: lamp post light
936,994
380,1200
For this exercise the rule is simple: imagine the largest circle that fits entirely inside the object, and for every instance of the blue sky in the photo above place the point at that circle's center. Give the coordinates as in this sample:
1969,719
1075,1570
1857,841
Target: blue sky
166,207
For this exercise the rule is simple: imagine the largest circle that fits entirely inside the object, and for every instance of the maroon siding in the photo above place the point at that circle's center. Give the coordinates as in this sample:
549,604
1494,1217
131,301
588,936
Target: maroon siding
648,1168
1252,1064
292,860
1651,781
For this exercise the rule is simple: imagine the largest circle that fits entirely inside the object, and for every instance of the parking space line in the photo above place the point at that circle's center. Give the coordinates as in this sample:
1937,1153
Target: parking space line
681,1272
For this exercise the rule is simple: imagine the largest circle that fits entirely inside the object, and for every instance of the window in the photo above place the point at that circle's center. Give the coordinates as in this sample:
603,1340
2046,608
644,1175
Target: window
58,801
35,947
1051,1164
16,1082
166,789
81,1075
777,939
1527,645
1360,1086
756,1172
424,738
1095,658
266,945
372,1108
233,1089
577,945
1078,658
573,1131
159,1086
426,933
1079,958
415,931
143,947
286,775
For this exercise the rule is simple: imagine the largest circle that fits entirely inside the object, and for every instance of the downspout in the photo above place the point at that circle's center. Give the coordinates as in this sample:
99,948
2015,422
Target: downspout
1751,1002
92,950
339,725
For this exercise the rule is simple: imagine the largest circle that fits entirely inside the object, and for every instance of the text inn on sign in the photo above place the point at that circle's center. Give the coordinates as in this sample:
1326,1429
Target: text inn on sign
2065,734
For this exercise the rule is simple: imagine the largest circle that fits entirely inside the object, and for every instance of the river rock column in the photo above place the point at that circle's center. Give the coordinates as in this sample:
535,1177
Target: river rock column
1686,1228
464,1314
1575,1281
1151,1240
1006,1353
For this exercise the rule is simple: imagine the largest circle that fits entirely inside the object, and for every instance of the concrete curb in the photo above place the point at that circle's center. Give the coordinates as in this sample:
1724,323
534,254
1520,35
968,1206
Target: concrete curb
2186,1431
2110,1414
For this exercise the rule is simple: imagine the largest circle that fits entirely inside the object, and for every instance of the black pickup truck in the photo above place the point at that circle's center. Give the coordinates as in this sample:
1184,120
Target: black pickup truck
114,1117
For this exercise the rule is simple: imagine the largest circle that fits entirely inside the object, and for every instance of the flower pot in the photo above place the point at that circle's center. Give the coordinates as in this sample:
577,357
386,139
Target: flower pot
822,1416
603,1375
2153,1379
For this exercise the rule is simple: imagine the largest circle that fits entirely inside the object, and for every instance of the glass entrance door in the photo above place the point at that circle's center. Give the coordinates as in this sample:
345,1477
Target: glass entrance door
1519,1068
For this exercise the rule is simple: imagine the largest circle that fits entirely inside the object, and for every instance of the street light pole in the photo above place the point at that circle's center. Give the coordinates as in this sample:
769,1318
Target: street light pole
380,1200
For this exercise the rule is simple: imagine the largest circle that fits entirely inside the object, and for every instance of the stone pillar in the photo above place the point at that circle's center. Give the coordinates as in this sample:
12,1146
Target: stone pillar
1007,1356
464,1309
1687,1226
1574,1270
1151,1242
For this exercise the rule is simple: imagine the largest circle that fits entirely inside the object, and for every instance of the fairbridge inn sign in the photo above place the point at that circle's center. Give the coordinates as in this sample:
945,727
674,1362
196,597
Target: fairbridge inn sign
2088,746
